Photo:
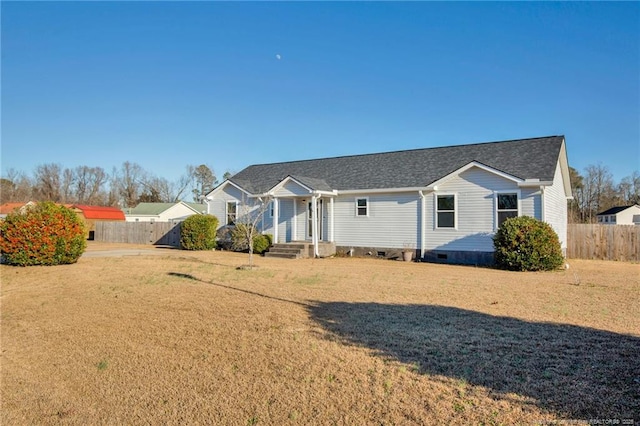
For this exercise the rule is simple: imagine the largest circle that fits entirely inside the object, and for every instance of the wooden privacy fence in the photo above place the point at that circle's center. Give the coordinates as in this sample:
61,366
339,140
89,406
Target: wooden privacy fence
606,242
157,233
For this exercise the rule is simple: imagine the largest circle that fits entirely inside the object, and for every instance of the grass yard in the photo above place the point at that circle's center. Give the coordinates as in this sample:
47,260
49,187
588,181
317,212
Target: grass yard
186,338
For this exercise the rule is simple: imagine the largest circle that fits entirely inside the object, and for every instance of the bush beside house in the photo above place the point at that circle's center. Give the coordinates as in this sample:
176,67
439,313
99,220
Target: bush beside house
527,244
198,232
43,234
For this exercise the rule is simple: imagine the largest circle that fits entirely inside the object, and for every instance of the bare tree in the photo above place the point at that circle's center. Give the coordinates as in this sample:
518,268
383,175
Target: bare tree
129,183
90,185
156,190
15,186
250,212
182,184
598,192
47,182
66,187
629,189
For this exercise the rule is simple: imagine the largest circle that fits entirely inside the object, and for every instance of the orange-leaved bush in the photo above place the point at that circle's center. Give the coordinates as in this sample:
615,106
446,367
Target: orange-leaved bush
44,234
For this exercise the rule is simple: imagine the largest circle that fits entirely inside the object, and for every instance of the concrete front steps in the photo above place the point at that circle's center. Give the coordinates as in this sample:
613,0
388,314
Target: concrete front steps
300,249
288,251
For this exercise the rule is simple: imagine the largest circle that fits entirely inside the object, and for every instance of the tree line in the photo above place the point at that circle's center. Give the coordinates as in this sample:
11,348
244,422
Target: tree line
595,191
128,185
125,186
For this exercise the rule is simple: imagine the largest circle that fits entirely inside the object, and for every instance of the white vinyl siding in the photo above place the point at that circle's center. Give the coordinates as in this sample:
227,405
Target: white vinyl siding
301,219
291,188
393,221
285,214
218,206
475,206
555,207
530,200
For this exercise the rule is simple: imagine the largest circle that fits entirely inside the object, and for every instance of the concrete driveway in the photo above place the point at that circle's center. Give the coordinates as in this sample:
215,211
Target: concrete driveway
98,249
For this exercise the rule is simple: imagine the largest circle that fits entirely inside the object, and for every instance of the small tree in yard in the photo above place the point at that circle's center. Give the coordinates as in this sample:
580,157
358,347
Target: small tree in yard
245,235
527,244
198,232
45,234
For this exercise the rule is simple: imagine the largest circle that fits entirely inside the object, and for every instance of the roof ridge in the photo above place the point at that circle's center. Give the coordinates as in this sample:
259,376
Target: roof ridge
407,150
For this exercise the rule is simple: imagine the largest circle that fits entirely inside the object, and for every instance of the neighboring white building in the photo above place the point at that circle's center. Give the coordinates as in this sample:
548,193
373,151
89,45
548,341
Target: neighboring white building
445,203
163,212
621,215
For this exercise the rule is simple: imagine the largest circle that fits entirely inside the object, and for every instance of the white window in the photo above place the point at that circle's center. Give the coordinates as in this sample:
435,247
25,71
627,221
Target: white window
613,219
507,206
446,211
362,207
232,210
271,207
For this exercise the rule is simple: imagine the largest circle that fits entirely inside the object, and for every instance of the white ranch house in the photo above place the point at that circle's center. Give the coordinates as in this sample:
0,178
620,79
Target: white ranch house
163,212
444,203
621,215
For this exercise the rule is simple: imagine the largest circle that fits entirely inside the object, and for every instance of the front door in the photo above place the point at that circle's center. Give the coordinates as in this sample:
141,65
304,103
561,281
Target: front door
310,220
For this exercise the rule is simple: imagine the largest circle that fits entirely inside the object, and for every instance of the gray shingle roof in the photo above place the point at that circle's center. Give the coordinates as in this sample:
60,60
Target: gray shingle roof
614,210
534,158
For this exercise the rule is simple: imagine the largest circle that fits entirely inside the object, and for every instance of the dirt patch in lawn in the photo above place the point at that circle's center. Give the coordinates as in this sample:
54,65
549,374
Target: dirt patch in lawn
187,338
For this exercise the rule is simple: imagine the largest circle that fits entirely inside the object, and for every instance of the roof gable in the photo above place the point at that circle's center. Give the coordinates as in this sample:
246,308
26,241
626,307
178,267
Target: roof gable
524,159
469,166
616,210
290,185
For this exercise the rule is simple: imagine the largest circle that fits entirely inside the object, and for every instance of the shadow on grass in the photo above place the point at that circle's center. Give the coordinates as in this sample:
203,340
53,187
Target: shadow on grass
241,290
576,372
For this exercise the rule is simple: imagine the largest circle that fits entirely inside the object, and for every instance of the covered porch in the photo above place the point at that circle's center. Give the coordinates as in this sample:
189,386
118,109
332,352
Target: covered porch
301,215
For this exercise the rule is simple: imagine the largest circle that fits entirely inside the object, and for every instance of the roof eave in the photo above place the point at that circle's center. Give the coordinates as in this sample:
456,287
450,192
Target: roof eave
379,190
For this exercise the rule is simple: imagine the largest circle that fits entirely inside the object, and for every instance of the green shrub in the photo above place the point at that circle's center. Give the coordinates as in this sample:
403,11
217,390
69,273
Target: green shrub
198,232
527,244
45,234
261,243
240,242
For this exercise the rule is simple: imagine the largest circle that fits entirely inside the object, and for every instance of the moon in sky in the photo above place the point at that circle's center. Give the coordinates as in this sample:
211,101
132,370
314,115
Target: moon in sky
278,57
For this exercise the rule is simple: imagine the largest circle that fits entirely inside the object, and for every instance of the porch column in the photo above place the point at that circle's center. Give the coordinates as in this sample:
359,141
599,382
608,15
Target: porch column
331,219
314,224
294,220
275,220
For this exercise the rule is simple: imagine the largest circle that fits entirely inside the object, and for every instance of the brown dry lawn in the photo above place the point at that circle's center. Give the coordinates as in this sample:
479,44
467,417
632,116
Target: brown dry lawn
186,338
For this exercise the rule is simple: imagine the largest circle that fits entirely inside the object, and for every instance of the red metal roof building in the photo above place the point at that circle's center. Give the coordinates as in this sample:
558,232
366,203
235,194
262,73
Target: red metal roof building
100,212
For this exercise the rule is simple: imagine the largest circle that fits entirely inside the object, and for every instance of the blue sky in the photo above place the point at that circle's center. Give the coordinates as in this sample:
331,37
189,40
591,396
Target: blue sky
166,84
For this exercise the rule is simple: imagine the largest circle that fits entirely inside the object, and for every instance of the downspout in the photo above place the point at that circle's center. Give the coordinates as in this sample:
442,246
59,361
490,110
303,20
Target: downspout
275,220
423,219
543,215
314,223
